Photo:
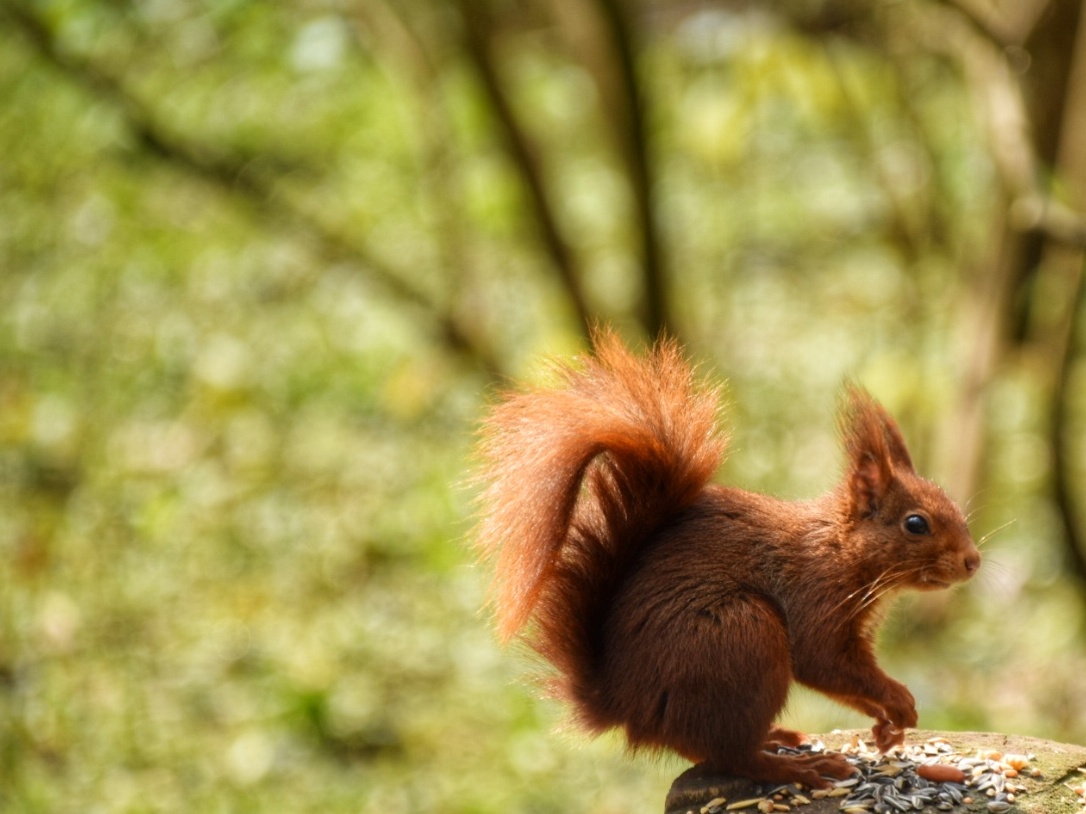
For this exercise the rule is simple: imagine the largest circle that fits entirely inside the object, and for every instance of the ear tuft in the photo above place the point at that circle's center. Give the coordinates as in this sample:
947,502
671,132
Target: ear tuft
895,441
874,446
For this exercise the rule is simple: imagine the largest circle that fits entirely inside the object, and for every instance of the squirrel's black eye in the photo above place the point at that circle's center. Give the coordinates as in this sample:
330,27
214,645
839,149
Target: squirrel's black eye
915,524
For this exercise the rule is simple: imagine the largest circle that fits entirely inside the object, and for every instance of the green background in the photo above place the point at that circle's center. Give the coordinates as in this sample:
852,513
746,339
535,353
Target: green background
263,265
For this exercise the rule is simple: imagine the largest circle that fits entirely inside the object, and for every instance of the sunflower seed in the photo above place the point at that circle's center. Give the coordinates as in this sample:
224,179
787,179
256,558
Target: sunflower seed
745,803
890,784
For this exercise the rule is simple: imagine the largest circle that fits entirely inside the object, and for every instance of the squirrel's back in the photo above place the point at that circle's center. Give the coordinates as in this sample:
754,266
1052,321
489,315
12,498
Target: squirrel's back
579,477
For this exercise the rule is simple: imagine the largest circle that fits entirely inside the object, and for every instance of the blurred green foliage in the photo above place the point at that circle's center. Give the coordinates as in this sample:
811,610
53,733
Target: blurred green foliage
235,434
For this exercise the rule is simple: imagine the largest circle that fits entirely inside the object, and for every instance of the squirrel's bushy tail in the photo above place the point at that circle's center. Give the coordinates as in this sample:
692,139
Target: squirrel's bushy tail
577,478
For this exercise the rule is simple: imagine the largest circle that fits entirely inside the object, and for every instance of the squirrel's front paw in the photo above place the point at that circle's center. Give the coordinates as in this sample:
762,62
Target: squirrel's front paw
887,736
899,714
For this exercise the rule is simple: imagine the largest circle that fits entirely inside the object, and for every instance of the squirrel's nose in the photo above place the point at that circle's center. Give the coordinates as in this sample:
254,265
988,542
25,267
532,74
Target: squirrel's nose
972,562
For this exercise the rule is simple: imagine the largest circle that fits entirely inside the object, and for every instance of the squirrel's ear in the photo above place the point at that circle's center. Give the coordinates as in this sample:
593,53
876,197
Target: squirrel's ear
895,442
868,480
873,447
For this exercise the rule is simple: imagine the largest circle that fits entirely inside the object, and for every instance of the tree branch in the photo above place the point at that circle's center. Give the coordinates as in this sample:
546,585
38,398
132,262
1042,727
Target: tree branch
631,132
240,177
393,31
1051,219
1063,487
477,30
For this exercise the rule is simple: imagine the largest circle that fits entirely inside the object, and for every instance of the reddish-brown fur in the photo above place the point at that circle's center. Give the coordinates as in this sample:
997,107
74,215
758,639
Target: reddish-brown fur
682,611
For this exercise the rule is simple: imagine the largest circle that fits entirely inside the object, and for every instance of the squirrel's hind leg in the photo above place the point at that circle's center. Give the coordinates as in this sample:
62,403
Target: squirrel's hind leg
825,764
811,770
741,645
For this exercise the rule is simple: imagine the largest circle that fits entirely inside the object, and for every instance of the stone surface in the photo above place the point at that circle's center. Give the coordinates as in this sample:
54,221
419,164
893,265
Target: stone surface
1058,763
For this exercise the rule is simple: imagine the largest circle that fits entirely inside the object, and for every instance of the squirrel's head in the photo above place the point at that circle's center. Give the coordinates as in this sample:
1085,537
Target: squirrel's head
906,525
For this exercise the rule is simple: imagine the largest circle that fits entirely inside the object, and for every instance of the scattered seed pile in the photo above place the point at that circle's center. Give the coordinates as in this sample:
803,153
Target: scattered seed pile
929,777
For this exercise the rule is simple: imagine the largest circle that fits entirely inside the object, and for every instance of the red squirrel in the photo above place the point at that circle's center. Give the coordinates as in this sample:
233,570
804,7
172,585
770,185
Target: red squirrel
682,610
